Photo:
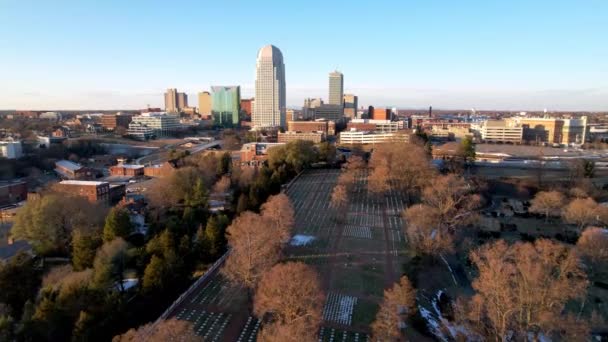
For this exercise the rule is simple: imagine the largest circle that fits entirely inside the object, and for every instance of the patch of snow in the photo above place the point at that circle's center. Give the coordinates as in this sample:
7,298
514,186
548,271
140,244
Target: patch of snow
301,240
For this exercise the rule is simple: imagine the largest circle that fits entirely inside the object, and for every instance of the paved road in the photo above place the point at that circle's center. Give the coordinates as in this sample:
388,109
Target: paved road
163,156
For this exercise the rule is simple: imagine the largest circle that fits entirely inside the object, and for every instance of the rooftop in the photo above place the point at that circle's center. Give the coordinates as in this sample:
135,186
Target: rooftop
81,182
66,164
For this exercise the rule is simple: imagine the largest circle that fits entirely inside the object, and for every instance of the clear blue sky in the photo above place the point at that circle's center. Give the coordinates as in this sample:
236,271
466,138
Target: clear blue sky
483,54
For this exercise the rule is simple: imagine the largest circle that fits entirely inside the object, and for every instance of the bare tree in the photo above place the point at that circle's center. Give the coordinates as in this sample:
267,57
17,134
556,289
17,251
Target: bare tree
448,204
424,232
339,200
292,296
404,168
581,212
398,305
279,211
166,330
522,291
547,203
254,249
593,247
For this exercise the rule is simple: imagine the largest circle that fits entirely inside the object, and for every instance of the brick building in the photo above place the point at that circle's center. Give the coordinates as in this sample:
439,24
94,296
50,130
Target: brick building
12,192
159,170
93,191
111,121
127,170
246,106
256,153
327,127
70,170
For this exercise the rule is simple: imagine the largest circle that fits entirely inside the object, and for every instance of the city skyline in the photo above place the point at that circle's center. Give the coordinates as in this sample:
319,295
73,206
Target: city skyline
515,56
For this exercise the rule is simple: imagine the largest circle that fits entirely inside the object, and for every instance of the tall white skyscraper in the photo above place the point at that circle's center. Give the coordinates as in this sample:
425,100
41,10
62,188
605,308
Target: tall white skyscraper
336,88
269,107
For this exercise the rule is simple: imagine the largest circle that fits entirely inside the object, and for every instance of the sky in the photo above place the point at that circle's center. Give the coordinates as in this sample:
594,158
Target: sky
485,54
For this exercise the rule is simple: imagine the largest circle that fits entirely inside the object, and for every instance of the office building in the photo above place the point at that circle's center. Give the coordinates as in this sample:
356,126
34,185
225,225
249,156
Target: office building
111,121
226,105
309,105
11,149
350,105
504,131
204,104
328,112
175,101
553,130
171,100
336,88
148,125
269,107
327,127
379,113
354,137
182,101
315,137
247,106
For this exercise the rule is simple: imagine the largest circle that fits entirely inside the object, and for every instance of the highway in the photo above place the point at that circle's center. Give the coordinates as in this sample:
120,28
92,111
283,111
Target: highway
163,156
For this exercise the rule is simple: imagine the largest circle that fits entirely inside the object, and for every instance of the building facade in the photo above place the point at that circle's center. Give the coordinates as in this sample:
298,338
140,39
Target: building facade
380,114
226,105
127,170
350,105
336,88
327,127
315,137
375,125
111,121
175,101
148,125
309,105
247,106
328,112
269,107
204,104
354,137
256,153
502,131
12,192
11,149
93,191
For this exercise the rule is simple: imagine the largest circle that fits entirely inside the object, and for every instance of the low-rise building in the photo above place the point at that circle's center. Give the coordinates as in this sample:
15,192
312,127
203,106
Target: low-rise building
315,137
127,170
328,112
256,153
111,121
69,170
325,126
354,137
93,191
148,125
159,170
12,192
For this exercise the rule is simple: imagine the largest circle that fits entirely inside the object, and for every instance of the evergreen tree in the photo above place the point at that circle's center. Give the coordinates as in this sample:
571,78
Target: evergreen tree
84,247
118,224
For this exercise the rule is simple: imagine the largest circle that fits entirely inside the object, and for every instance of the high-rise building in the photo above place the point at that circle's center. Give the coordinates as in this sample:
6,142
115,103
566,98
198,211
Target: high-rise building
182,101
226,105
328,112
204,103
336,88
174,101
269,107
171,100
350,105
